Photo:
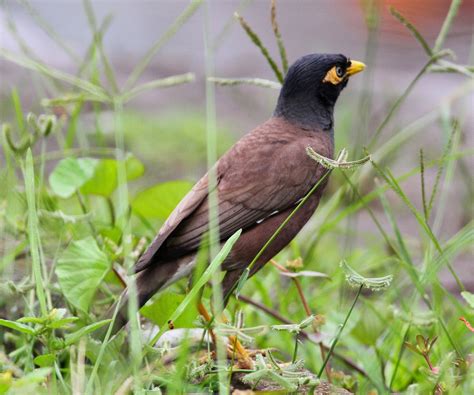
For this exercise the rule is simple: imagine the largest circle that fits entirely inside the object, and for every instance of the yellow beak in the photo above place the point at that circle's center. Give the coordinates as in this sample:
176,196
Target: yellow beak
355,67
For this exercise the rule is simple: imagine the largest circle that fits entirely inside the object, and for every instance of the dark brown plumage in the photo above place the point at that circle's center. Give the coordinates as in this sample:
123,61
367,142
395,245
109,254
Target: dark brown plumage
259,181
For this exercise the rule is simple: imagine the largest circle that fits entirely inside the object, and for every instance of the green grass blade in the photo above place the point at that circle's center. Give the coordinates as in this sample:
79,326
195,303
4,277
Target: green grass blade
452,12
339,332
97,34
33,232
159,83
18,111
84,85
391,180
206,276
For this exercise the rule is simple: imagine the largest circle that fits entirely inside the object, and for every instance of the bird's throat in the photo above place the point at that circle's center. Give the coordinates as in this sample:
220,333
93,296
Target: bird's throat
313,113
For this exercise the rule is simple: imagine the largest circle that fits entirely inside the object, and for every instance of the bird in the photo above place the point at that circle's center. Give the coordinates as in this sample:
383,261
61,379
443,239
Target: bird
259,181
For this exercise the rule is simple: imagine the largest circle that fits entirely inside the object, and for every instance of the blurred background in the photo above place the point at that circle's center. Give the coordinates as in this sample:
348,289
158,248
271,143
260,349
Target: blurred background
165,128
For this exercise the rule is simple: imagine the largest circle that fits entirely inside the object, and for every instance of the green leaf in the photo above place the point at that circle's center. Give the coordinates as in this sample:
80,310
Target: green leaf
62,323
104,180
17,326
75,336
80,270
70,174
159,200
469,298
133,168
164,306
44,360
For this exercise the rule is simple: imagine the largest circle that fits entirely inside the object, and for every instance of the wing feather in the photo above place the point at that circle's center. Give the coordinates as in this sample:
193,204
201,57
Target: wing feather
267,171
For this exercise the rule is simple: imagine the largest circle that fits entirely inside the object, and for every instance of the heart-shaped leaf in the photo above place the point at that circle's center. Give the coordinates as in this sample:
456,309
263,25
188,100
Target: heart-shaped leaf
70,174
159,200
80,270
104,180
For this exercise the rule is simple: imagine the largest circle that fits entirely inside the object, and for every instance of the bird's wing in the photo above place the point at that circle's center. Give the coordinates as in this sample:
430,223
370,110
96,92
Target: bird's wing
185,207
262,174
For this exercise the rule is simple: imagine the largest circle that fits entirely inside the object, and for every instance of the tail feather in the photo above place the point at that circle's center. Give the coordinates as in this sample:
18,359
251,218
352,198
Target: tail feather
148,282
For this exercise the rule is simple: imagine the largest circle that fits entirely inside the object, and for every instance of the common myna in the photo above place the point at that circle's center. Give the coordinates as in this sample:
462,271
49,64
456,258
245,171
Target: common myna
259,182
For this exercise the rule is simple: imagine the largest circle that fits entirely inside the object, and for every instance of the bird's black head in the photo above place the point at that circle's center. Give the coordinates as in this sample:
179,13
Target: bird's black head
311,87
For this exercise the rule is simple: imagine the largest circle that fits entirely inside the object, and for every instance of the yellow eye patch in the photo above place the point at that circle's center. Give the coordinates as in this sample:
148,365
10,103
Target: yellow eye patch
334,76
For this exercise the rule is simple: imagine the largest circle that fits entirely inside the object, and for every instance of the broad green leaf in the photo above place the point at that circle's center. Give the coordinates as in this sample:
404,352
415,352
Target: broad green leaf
164,306
17,326
469,298
80,270
159,200
44,360
104,180
75,336
70,174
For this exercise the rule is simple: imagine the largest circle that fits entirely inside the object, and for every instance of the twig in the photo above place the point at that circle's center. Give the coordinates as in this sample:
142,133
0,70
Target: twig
297,284
308,312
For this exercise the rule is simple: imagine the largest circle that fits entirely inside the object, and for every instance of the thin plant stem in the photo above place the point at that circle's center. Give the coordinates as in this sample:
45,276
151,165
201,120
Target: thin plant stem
213,233
256,40
97,36
413,30
422,181
336,339
295,350
399,356
123,222
279,229
279,40
297,284
179,21
247,271
33,232
452,12
402,98
441,167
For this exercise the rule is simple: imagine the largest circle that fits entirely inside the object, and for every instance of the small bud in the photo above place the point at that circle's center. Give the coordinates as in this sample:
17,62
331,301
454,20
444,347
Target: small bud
170,325
294,264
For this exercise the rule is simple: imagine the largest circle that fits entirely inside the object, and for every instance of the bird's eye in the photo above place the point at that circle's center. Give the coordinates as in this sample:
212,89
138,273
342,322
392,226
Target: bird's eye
335,75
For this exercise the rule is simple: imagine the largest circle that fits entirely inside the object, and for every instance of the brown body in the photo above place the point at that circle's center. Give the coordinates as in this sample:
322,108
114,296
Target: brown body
259,182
